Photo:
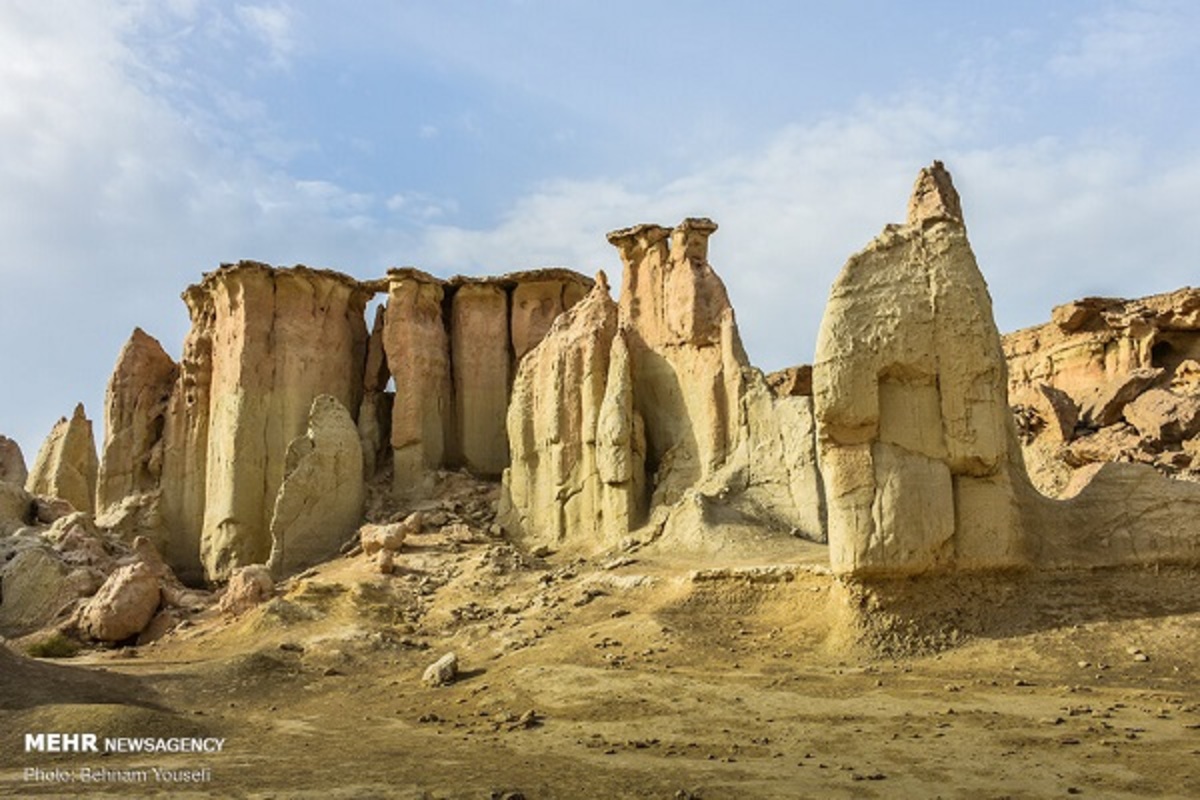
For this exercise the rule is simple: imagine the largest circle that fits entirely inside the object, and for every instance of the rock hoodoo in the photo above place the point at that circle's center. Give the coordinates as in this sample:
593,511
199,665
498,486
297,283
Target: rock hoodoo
66,466
916,449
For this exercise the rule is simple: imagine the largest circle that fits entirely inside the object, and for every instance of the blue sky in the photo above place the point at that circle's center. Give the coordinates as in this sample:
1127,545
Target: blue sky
143,143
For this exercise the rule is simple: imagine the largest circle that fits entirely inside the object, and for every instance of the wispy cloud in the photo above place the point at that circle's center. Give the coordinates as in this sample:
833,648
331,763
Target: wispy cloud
1123,40
272,26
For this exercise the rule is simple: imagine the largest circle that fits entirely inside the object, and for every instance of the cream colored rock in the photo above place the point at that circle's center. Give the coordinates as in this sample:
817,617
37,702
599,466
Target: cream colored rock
1104,404
16,508
479,336
685,353
391,536
183,485
375,413
36,585
248,587
66,466
12,462
418,353
279,339
320,501
916,444
135,407
1163,416
1186,377
538,298
124,606
556,493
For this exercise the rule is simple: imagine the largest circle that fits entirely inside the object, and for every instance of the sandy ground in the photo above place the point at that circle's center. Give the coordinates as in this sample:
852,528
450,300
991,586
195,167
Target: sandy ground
641,675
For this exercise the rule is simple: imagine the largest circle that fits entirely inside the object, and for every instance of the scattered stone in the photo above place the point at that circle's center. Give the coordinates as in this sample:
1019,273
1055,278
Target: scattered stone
248,586
441,672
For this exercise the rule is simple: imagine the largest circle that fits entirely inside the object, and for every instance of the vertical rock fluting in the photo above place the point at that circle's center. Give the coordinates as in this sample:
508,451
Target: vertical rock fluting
575,470
482,364
917,450
279,339
686,356
320,501
12,462
185,444
375,413
66,466
418,353
135,409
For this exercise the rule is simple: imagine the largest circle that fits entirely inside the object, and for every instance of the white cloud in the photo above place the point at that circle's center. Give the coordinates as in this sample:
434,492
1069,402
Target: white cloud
1122,40
272,26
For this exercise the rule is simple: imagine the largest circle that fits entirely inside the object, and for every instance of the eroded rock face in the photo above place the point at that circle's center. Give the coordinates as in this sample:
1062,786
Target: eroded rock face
320,502
479,335
12,462
538,298
686,356
573,433
66,466
135,409
916,448
279,339
418,353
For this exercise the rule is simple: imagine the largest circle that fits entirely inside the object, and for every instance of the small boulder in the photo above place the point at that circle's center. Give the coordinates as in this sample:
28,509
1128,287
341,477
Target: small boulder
124,606
1104,405
389,537
248,586
441,672
1164,416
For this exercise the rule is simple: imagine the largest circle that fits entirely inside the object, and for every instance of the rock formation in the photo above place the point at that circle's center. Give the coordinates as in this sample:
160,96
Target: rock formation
482,359
320,502
67,465
577,460
1124,376
12,462
135,409
916,447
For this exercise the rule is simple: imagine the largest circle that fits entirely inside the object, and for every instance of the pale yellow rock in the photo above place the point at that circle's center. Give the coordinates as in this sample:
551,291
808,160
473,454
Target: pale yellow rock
16,507
538,298
12,462
248,587
36,585
66,466
479,336
185,442
910,398
135,408
418,354
320,501
279,339
685,352
554,493
124,606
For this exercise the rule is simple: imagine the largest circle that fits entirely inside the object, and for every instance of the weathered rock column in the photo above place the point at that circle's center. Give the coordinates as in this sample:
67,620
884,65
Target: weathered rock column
135,408
576,471
482,362
185,444
917,450
418,354
685,351
66,466
280,338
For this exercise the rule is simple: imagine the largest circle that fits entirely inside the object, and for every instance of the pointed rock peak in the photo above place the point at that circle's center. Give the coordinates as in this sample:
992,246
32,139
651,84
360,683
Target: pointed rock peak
934,196
79,412
602,281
